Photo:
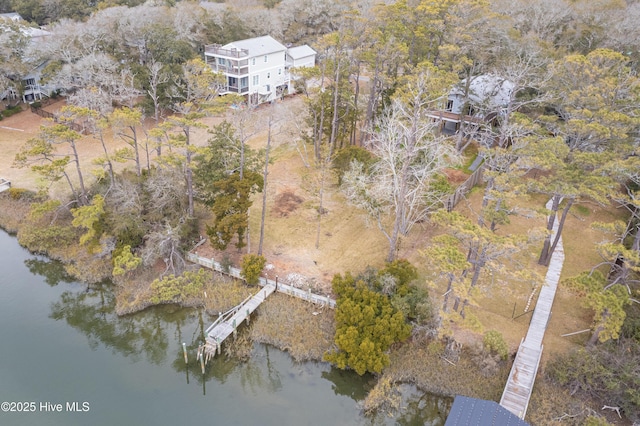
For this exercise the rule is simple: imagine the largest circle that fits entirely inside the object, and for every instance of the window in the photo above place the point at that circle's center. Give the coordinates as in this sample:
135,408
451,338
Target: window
265,58
253,61
279,71
244,82
450,105
221,61
256,80
268,75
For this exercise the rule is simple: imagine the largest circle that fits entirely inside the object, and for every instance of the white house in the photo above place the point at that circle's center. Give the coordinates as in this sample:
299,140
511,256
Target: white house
487,94
257,68
487,97
32,89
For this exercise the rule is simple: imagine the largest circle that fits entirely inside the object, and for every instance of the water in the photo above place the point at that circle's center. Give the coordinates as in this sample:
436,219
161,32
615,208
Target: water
61,343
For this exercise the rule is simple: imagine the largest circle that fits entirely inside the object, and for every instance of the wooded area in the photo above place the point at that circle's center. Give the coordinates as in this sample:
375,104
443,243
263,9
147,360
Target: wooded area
567,129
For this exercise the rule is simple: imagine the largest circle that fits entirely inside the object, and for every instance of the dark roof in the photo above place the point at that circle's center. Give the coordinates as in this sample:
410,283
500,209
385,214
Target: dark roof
467,411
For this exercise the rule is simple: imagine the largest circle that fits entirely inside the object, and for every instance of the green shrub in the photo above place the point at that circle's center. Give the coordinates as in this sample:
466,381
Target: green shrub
21,194
366,327
11,111
252,266
270,4
172,289
403,272
494,342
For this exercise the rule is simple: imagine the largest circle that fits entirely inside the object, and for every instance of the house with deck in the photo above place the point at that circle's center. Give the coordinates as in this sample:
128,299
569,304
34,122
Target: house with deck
30,85
258,68
481,99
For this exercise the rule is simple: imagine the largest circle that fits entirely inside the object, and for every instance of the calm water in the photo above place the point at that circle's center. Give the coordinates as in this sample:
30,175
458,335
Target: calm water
61,343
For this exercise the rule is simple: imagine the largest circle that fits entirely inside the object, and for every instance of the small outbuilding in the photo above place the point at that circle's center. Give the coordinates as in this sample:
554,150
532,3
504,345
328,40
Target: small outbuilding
301,56
467,411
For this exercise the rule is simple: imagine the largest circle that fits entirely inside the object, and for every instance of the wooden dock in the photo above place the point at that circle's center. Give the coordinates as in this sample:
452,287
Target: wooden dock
280,285
228,322
4,184
517,392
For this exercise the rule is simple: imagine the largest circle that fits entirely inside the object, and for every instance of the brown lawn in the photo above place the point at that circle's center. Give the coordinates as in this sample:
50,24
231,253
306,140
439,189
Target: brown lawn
348,240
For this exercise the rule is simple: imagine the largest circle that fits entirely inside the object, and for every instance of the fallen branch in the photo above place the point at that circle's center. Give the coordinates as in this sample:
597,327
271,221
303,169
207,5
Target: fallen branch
616,409
565,415
575,332
450,362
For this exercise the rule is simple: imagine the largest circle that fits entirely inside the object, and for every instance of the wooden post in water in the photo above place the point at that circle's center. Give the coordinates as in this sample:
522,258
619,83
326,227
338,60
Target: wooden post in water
184,351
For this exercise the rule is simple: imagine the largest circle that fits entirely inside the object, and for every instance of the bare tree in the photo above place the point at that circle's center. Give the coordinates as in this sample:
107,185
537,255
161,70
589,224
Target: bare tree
164,243
411,157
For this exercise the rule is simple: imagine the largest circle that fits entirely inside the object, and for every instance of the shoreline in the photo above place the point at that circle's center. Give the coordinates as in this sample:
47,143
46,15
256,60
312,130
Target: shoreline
295,327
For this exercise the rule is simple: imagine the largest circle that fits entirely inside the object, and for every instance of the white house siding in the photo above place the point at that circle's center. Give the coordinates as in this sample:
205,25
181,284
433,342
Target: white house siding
487,93
270,75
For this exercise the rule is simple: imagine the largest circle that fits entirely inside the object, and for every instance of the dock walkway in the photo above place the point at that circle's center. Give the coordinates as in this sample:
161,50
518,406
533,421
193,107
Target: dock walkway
228,322
4,184
517,392
281,287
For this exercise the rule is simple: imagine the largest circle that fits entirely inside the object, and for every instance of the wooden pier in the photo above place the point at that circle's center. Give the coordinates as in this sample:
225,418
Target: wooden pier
228,322
281,286
4,184
517,392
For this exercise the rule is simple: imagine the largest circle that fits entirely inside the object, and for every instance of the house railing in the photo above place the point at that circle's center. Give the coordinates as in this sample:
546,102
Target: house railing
236,89
228,66
232,69
216,49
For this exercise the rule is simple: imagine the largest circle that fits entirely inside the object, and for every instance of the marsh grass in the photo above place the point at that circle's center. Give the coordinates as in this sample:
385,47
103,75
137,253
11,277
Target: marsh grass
551,404
219,293
303,329
425,364
12,212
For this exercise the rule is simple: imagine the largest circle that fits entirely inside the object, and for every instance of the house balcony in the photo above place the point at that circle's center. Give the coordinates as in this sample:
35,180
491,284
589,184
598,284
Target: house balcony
228,66
231,70
34,92
217,50
239,90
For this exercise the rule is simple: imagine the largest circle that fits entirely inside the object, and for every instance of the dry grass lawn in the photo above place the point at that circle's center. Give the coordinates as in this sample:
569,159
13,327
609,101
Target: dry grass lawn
502,298
349,241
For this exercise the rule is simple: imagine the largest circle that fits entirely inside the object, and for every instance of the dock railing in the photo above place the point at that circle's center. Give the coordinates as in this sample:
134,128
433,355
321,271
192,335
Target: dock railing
281,286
